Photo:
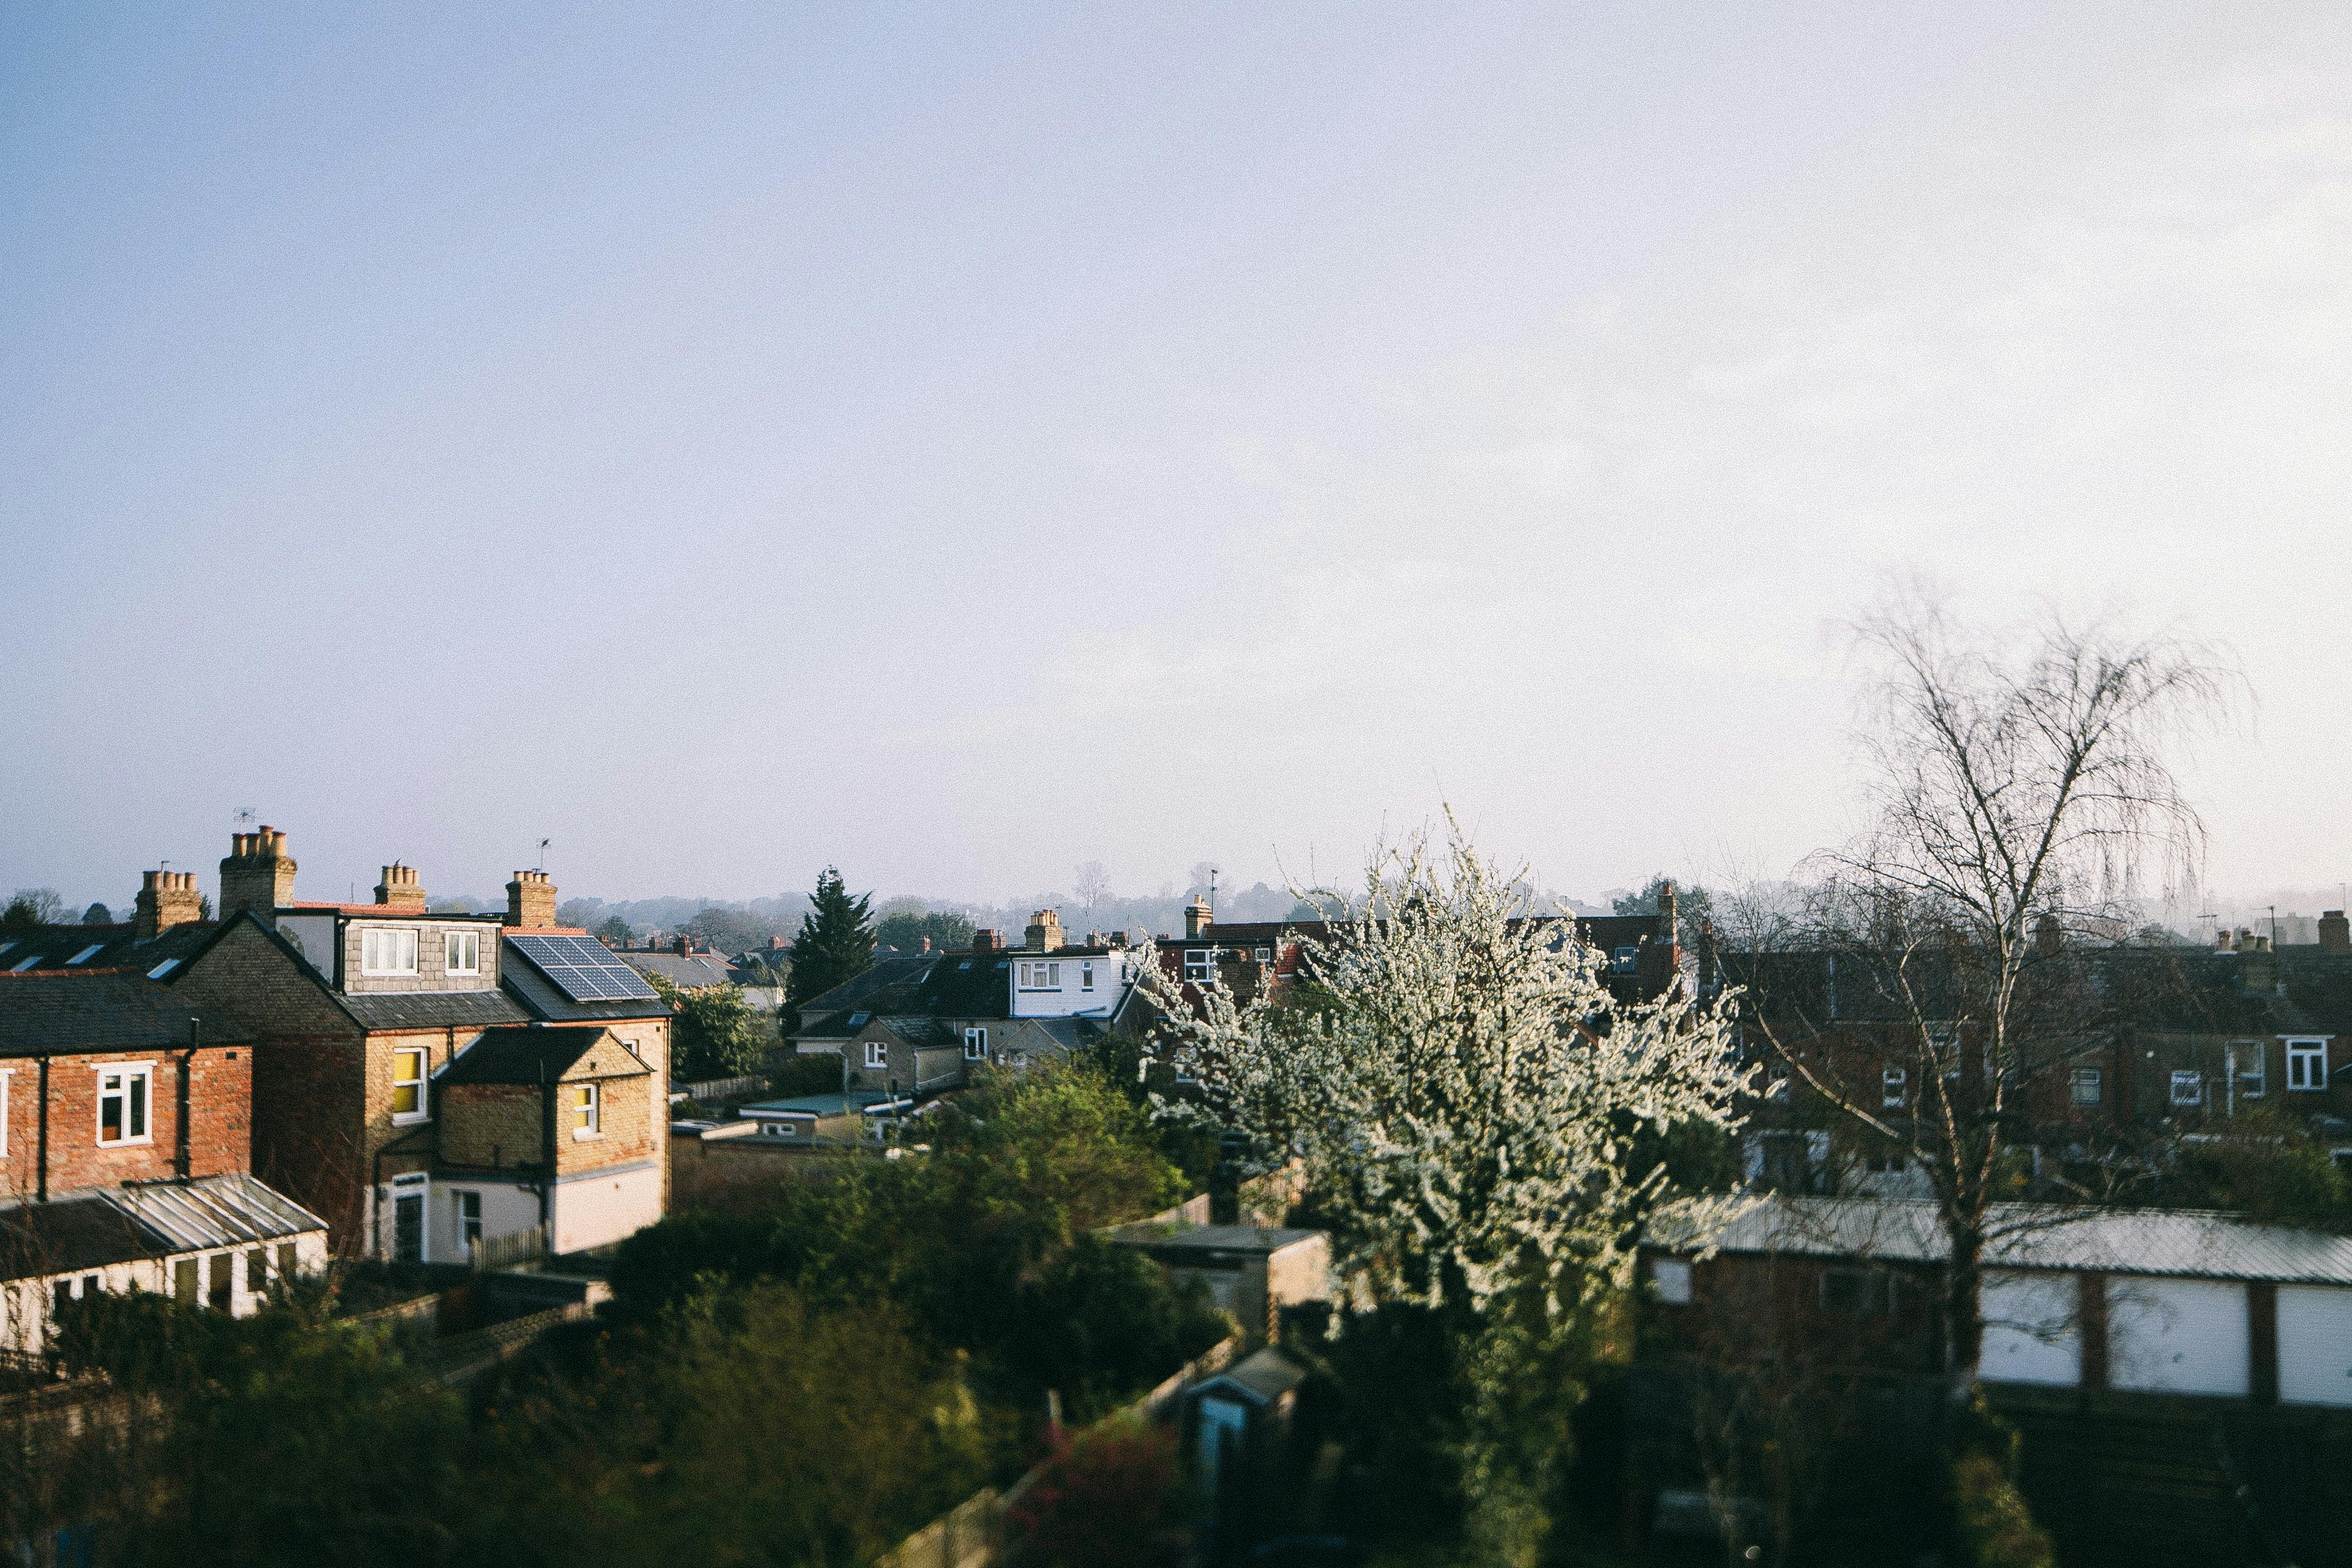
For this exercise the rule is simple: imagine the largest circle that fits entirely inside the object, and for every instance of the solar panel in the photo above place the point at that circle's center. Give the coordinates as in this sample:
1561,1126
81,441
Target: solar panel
583,969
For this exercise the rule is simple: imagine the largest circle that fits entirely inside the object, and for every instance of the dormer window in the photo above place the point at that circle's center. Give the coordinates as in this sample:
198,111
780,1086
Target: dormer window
1041,977
388,950
462,952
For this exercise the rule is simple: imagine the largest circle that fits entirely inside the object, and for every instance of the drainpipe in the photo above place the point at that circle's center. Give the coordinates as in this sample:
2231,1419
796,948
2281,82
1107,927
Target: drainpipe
187,1067
547,1149
41,1180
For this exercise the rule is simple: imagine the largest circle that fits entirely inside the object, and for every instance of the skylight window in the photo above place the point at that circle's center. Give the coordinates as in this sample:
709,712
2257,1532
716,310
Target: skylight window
5,946
857,1020
85,955
163,969
25,963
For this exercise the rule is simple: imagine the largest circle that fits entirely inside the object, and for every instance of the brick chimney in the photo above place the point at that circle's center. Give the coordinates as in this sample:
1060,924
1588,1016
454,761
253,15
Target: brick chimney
2335,932
166,899
2049,936
984,941
1197,916
259,875
399,889
1044,933
1119,939
531,901
682,945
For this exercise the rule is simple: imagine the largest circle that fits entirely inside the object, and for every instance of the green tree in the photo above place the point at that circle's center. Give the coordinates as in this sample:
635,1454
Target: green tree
716,1034
835,941
906,930
1693,905
613,932
98,915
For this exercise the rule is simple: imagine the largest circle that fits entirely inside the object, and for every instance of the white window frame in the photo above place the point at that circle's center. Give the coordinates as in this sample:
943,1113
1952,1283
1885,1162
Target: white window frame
1087,975
593,1126
146,1072
2191,1079
2306,1063
2254,1084
454,943
373,962
1200,963
422,1083
1266,955
975,1045
1670,1278
1041,977
469,1226
877,1055
2080,1079
1894,1088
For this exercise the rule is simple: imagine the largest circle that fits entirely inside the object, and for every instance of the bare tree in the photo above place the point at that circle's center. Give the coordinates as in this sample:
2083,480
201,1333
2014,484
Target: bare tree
1092,886
2021,796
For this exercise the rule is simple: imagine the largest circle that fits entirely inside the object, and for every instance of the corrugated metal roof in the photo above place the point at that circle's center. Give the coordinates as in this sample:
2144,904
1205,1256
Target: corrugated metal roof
94,1226
2179,1243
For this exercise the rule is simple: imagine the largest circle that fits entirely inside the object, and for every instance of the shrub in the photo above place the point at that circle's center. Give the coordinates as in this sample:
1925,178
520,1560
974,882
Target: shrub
1111,1496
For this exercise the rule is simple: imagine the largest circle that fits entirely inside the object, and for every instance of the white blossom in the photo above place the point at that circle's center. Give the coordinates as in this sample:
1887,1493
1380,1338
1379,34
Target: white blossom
1457,1084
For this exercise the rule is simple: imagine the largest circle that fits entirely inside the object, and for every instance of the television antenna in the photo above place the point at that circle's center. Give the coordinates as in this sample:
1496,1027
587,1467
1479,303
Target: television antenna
542,857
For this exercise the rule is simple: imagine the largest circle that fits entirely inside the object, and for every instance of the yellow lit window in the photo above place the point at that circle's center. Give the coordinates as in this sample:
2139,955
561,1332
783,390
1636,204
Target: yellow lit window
585,1110
408,1083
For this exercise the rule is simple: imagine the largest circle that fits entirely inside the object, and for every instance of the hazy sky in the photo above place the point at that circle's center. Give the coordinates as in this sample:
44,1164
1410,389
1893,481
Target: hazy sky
961,443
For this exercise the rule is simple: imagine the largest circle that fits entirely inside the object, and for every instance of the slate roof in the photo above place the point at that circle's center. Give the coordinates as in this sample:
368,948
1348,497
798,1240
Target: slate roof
2174,1243
97,1010
968,985
526,1054
118,947
865,992
432,1009
691,971
97,1226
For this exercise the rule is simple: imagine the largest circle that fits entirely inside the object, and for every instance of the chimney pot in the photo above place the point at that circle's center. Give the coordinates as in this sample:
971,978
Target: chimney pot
259,875
1197,917
531,901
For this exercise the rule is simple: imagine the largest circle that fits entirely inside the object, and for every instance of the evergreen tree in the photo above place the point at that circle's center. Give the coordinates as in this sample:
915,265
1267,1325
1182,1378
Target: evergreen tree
835,941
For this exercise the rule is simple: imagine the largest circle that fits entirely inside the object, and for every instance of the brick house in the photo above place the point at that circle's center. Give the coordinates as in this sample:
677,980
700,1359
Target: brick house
558,1126
352,1009
913,1025
126,1141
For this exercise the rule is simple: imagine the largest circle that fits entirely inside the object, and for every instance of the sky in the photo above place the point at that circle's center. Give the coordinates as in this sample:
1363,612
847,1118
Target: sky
959,443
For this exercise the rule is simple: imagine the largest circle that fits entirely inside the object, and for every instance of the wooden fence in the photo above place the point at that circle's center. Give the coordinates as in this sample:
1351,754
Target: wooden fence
971,1534
488,1253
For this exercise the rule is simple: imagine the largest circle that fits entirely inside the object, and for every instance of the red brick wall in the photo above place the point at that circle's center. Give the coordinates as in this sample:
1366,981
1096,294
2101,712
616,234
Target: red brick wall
220,1131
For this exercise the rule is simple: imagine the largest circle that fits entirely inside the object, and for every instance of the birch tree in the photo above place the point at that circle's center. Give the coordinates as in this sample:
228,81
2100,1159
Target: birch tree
2021,796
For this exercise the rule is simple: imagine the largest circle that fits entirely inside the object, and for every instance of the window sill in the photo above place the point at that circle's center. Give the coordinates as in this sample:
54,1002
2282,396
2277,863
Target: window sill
410,1118
580,1137
146,1143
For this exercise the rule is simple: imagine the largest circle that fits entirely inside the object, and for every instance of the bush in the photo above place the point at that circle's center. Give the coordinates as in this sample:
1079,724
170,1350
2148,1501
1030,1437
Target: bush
818,1074
1994,1527
1110,1496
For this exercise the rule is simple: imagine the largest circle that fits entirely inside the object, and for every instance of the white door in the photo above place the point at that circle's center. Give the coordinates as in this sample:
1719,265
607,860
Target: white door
2177,1336
2315,1344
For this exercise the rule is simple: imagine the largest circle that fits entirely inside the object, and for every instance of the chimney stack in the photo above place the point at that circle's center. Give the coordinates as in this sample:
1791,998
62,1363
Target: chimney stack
681,946
531,901
2335,932
257,875
984,940
166,899
399,889
1044,933
2049,936
1197,916
1119,939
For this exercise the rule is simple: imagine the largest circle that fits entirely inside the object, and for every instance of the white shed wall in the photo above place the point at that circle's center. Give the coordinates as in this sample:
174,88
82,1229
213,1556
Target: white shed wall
2315,1344
2177,1336
2031,1332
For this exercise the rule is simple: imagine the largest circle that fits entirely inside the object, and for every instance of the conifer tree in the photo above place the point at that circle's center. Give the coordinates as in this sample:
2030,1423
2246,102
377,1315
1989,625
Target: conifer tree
835,941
